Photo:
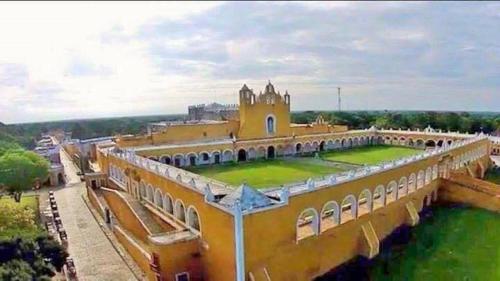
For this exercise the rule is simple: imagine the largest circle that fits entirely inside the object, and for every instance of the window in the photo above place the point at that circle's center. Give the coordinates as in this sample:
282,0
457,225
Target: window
184,276
307,224
270,125
205,156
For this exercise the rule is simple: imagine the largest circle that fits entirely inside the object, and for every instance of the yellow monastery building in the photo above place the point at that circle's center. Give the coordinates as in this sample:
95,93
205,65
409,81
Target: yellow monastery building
181,226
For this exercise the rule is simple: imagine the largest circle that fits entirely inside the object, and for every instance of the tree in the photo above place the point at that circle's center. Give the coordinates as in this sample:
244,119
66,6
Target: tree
15,218
7,145
52,250
20,169
30,259
16,270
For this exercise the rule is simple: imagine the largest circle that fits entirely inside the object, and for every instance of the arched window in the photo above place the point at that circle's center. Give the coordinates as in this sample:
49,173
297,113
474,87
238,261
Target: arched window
330,215
378,197
167,204
158,200
205,157
435,171
227,156
150,193
364,202
270,125
142,190
298,148
348,209
412,183
420,179
402,187
428,175
193,218
180,214
391,192
307,224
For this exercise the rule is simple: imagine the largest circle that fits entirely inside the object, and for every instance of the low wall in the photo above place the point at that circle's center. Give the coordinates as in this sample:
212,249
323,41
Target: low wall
124,214
459,193
140,255
95,201
187,258
316,255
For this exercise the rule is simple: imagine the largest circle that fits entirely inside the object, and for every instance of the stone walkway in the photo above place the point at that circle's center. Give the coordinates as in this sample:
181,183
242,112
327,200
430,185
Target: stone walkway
95,257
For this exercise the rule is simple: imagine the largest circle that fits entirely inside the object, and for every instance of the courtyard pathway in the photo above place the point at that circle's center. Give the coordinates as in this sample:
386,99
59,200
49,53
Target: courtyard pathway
95,257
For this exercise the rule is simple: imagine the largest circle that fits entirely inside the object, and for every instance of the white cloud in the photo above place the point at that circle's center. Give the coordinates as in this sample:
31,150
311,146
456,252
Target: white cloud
94,59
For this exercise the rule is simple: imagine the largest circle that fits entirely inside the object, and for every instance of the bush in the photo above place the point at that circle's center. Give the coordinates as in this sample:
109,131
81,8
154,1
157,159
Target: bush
17,220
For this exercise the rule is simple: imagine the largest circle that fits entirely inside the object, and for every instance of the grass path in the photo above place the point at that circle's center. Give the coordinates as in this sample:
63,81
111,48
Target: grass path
369,154
260,174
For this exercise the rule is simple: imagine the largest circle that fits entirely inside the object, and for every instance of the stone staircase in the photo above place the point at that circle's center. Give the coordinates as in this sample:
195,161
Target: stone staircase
143,214
463,189
476,184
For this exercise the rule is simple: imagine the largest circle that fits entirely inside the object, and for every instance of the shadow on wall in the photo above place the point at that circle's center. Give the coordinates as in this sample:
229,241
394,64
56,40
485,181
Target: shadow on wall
360,268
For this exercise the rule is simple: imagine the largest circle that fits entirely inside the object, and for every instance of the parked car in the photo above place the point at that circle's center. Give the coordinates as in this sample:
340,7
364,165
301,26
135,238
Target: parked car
70,268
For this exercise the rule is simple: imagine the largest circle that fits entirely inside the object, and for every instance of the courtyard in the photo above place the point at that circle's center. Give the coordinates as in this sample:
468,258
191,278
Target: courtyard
266,173
370,155
276,172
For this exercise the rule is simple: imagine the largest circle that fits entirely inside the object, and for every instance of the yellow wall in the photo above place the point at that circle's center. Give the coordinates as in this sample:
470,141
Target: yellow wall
311,129
274,231
158,152
196,132
125,215
216,253
453,192
187,259
271,232
253,116
140,255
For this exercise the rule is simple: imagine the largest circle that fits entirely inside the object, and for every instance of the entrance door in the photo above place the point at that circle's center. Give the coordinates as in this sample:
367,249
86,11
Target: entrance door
270,152
107,216
216,158
242,155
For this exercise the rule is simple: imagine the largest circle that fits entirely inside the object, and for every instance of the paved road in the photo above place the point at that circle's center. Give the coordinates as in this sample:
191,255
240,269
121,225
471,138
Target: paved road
95,258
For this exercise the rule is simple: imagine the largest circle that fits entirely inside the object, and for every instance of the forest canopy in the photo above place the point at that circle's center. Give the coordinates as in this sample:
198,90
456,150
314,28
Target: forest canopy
27,134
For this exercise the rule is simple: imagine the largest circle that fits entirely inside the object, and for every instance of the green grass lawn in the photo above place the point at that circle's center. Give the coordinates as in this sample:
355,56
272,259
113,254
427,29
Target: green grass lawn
265,173
455,244
493,176
369,154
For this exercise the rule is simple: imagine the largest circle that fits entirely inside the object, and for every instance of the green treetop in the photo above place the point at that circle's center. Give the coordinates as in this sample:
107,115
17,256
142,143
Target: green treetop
20,169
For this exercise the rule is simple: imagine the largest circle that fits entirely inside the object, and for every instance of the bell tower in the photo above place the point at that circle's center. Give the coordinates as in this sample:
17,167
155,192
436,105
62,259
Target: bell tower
265,115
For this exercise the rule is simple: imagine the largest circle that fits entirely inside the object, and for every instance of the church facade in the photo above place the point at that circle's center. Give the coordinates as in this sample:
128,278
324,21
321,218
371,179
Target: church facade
180,226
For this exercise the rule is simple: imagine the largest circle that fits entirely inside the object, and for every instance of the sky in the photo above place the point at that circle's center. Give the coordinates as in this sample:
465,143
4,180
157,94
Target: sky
104,59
